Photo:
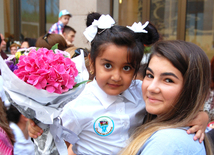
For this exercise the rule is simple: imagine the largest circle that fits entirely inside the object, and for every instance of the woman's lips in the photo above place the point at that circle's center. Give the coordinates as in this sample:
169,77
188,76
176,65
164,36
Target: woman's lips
153,100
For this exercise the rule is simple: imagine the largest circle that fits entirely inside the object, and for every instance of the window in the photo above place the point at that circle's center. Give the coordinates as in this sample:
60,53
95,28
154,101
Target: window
52,12
29,18
163,14
200,24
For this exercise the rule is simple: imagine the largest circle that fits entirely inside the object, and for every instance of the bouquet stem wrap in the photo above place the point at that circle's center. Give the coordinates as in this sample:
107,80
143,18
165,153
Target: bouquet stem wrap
44,107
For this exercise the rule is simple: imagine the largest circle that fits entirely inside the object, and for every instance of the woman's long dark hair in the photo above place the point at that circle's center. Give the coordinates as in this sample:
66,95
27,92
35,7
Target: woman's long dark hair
194,65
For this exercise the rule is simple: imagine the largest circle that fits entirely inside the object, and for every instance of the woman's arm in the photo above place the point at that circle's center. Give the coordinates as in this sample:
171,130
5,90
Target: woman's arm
199,125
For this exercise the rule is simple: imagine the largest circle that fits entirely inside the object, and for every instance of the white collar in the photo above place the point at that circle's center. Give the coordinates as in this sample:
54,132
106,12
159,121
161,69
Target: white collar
106,99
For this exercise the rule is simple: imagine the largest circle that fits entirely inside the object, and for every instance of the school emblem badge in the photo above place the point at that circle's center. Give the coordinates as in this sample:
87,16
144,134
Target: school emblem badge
104,126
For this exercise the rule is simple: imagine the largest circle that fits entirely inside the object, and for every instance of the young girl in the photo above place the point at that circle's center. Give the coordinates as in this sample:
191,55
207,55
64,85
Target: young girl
111,106
175,86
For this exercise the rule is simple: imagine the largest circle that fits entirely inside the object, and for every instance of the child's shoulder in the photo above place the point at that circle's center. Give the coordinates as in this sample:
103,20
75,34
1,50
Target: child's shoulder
85,96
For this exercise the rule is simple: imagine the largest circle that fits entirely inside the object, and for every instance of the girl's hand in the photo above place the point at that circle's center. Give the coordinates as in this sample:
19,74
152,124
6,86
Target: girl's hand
199,125
70,151
34,130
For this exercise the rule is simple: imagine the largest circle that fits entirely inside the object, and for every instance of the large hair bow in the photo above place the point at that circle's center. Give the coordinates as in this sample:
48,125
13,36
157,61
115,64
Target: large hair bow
104,22
138,27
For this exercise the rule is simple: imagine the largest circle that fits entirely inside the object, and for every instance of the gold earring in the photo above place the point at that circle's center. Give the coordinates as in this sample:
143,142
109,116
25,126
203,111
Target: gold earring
91,72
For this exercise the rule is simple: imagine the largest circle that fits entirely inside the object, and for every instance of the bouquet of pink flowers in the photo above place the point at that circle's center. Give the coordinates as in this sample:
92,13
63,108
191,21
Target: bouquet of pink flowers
41,84
46,70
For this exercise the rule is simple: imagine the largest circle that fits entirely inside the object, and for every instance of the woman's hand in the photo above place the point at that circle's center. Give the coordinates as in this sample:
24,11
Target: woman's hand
34,130
199,125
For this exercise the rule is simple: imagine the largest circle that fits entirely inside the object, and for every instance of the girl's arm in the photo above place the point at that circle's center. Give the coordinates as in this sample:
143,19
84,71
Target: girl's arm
34,130
70,152
199,124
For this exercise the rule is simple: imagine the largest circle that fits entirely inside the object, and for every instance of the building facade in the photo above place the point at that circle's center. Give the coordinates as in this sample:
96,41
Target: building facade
189,20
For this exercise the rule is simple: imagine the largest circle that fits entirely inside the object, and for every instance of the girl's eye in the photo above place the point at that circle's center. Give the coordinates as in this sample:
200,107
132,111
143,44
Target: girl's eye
169,81
126,68
108,66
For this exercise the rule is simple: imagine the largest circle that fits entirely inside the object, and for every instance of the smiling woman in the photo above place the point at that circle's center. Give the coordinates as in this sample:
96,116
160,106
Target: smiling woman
161,86
175,87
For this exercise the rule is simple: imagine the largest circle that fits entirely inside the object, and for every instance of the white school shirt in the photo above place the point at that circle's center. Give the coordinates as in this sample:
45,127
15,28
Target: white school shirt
104,122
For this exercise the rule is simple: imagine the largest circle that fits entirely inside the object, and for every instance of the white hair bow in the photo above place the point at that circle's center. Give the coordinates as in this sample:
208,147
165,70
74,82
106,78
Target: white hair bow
104,22
138,27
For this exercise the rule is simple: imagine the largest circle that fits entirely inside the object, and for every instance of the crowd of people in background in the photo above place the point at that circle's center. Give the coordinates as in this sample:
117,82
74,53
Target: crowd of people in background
135,109
67,32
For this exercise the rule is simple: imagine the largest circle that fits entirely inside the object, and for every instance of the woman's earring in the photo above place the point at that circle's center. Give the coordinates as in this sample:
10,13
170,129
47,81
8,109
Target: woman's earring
91,72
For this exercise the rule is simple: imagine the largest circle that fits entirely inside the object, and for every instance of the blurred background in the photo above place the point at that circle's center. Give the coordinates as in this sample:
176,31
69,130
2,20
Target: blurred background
189,20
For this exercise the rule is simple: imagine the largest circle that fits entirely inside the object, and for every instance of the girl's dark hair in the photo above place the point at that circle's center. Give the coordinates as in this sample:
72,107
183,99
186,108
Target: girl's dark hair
91,16
0,38
120,36
13,115
148,38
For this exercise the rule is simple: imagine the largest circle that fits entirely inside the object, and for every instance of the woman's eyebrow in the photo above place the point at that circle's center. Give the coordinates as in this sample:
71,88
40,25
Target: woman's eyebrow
169,74
150,70
164,74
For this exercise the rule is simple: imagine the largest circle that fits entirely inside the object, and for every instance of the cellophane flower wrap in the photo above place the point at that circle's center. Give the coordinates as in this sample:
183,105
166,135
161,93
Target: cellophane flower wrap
41,83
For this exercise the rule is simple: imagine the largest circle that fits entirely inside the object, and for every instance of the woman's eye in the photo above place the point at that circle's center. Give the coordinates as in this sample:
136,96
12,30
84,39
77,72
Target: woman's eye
108,66
126,68
169,81
149,75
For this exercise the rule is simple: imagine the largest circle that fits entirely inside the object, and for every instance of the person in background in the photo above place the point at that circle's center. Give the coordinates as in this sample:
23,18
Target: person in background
6,136
3,47
19,123
69,34
25,44
58,27
3,43
49,40
210,103
28,42
175,86
14,47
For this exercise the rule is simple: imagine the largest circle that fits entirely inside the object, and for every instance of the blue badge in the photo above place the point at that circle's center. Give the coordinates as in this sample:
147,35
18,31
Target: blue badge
104,126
